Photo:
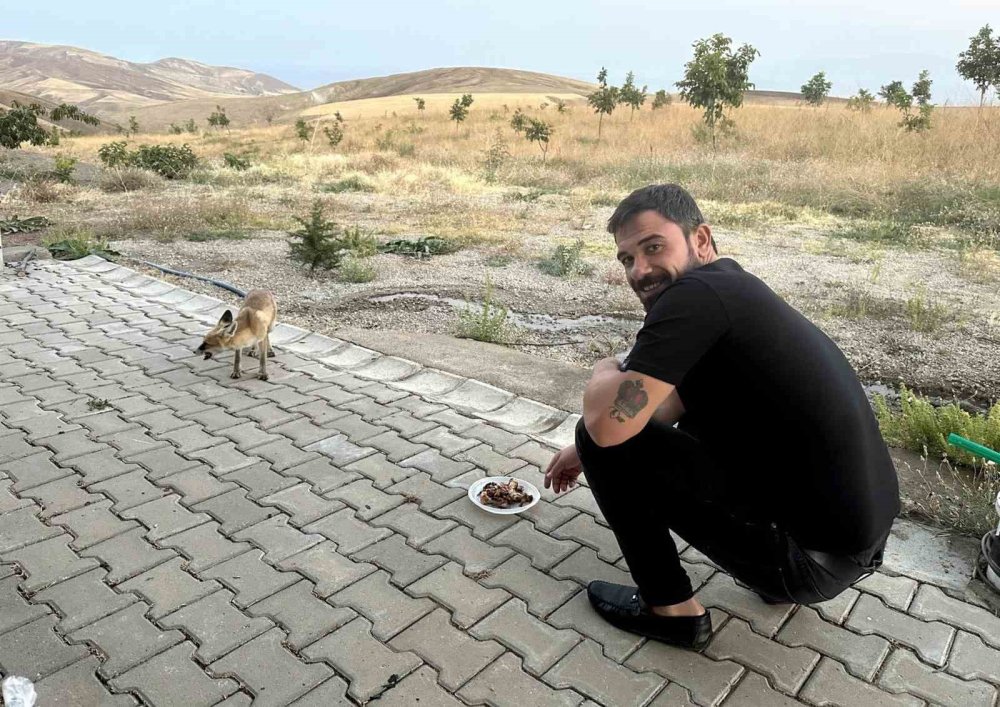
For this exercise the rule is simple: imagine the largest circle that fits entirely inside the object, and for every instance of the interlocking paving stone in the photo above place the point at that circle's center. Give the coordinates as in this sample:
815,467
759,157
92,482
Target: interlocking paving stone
903,672
723,592
55,497
303,505
340,450
787,668
585,530
168,587
930,639
474,555
274,674
128,490
583,500
164,517
173,678
368,664
71,444
321,474
22,527
248,435
897,592
931,603
77,685
234,511
389,609
837,609
259,480
405,564
328,569
467,600
539,644
861,654
161,463
504,683
428,494
380,470
14,609
484,525
584,566
196,485
302,614
344,529
972,659
417,526
673,695
543,550
204,546
33,470
831,685
366,500
332,693
579,615
586,670
277,538
216,625
541,593
442,439
394,446
47,562
707,680
249,577
224,458
753,691
127,555
439,467
83,599
34,650
127,638
548,516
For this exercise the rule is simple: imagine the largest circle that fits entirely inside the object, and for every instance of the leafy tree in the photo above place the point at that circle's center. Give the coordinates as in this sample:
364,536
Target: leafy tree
133,125
921,96
317,244
661,98
334,133
980,63
114,154
539,131
861,101
631,96
459,110
604,100
467,100
219,119
63,168
302,129
816,89
716,78
421,103
19,123
894,94
519,121
65,111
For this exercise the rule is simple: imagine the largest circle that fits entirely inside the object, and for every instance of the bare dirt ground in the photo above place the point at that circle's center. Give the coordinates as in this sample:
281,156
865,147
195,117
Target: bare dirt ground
901,317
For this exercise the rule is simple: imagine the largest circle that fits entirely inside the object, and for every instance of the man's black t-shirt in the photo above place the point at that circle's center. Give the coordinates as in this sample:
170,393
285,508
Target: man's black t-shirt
776,402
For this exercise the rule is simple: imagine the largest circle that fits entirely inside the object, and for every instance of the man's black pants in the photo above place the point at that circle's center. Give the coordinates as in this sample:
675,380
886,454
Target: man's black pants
664,479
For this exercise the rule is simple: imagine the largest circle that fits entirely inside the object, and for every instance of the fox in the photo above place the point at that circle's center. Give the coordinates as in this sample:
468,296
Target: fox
251,327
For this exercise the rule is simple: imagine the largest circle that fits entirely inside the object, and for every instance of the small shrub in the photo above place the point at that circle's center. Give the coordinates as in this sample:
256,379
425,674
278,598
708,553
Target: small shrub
40,190
347,184
128,179
169,161
359,244
858,304
566,261
73,244
236,161
422,247
924,315
356,270
495,157
317,245
63,168
114,154
488,322
175,129
334,134
302,131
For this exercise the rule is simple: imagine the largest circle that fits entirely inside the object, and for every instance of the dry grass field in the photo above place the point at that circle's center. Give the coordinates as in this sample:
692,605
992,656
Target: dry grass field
889,240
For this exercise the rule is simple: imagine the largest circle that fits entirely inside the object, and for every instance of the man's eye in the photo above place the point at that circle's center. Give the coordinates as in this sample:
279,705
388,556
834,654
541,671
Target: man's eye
627,262
653,248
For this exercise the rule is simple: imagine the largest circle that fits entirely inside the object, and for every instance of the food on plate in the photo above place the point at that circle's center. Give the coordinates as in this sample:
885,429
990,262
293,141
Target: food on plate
504,495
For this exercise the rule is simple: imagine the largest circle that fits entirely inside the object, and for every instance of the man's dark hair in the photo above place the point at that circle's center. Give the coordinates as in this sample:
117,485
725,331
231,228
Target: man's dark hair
671,201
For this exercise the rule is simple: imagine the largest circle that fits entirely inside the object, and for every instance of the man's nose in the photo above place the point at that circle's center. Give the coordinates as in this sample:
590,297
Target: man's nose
640,269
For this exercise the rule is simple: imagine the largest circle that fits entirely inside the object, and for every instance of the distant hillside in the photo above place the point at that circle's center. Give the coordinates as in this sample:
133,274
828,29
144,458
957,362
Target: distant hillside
9,97
103,84
287,107
771,97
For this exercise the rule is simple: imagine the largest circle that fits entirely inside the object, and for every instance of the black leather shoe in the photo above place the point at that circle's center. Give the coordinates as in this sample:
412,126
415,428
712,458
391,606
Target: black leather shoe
622,606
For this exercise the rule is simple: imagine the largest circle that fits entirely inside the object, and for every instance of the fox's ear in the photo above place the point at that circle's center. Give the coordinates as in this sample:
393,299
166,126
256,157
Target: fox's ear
231,329
226,317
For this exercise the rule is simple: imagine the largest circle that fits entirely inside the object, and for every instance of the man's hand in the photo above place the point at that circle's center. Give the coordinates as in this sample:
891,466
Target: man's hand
563,469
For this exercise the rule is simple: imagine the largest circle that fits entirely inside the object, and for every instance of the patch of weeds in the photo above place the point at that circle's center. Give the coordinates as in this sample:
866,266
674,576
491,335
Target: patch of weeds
498,260
236,162
78,243
488,322
422,247
347,184
858,304
355,270
604,199
98,404
23,225
203,236
899,233
530,196
566,261
978,263
360,244
63,168
921,427
480,575
966,506
926,315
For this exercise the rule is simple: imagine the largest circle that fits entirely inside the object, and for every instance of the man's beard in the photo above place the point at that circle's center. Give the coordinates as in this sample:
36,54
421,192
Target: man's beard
664,278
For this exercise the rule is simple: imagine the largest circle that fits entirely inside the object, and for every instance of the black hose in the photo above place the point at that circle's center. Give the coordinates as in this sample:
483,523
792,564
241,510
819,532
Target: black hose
218,283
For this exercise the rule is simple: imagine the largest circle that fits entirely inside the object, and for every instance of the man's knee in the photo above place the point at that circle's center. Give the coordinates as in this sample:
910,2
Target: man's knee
594,458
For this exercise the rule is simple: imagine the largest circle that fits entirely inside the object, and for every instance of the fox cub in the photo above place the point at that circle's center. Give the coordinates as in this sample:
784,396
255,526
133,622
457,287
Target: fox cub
251,327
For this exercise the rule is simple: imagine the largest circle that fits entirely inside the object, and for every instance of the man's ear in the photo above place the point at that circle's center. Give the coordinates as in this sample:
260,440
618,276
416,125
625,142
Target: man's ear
226,317
704,243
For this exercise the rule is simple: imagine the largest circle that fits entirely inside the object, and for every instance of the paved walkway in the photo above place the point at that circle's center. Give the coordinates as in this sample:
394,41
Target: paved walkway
172,537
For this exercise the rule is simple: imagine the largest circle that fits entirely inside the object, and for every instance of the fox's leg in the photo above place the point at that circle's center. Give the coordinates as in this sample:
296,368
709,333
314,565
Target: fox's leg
267,340
262,356
236,364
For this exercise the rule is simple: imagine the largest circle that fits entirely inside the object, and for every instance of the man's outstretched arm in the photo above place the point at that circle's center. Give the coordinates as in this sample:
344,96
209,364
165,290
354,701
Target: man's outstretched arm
618,404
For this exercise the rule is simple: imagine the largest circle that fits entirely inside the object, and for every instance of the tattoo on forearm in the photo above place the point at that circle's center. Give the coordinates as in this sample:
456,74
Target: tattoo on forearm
630,401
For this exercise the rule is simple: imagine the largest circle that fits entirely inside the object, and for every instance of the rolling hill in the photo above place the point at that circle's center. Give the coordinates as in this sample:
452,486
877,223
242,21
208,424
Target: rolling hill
7,98
105,85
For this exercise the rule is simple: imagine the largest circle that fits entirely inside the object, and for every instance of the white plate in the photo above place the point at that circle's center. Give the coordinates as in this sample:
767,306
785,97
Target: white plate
477,488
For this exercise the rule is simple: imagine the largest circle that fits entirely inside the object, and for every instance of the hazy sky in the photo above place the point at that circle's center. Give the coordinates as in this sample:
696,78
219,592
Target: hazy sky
309,43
